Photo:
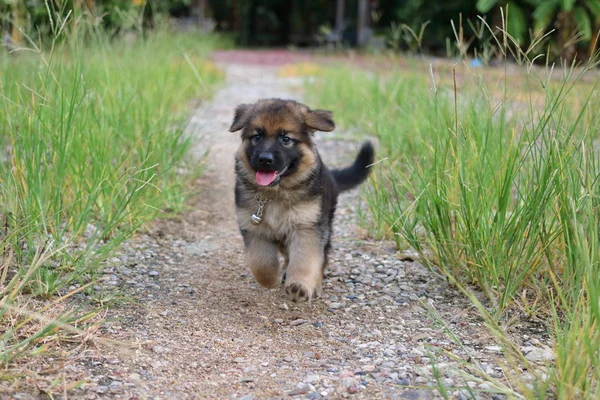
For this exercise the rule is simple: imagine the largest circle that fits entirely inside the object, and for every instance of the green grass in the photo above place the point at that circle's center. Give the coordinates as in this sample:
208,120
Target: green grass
494,183
92,146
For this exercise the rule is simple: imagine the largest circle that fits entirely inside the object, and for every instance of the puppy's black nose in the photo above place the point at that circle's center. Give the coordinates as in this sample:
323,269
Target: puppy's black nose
265,159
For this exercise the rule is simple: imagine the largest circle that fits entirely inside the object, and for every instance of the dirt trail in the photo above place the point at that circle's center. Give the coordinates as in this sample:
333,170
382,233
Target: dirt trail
204,329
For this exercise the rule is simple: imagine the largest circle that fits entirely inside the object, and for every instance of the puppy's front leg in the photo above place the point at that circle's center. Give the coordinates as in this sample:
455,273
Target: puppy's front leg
263,259
304,272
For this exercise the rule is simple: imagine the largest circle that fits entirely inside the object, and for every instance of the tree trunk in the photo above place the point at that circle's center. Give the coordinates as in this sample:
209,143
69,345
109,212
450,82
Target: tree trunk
236,19
17,22
91,4
363,18
202,13
566,28
339,17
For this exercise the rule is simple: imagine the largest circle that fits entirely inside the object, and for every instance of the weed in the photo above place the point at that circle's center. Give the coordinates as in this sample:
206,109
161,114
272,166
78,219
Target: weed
494,181
92,146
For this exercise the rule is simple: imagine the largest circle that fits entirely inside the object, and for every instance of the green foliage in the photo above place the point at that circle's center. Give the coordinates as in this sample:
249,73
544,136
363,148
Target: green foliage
543,15
516,22
92,146
584,24
437,14
574,24
92,141
485,6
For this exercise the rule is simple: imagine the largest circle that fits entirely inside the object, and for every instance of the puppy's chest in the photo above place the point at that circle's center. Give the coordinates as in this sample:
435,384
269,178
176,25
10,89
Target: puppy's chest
280,218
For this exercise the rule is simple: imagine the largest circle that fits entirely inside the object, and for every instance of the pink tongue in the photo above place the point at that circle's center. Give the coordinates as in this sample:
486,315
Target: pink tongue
264,178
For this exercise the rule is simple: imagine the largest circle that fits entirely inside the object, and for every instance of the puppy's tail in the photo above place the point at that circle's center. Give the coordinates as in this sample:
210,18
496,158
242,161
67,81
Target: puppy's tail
352,176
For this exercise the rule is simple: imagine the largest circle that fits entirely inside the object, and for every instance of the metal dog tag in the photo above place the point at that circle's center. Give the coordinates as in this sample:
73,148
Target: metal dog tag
255,219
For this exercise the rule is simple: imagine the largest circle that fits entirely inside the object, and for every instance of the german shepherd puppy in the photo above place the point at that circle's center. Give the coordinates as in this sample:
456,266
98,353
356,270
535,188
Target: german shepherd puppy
284,194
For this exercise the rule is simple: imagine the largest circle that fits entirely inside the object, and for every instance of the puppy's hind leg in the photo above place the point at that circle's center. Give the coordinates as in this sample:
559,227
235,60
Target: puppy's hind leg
263,259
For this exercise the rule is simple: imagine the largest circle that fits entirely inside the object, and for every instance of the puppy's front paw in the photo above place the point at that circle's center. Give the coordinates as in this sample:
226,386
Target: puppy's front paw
298,292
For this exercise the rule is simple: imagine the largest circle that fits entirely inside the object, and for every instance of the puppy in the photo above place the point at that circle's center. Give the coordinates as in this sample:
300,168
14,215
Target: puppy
285,196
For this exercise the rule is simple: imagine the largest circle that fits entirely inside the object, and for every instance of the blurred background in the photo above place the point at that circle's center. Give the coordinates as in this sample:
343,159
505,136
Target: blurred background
426,26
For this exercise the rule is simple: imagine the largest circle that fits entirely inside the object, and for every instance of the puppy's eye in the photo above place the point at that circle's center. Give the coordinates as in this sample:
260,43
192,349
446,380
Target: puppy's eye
286,140
256,138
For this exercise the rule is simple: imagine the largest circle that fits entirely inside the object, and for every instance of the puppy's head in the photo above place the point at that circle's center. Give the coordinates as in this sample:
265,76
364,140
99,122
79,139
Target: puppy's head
277,138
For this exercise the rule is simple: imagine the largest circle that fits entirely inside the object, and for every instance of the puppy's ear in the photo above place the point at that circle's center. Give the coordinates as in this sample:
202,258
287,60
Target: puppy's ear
240,117
319,120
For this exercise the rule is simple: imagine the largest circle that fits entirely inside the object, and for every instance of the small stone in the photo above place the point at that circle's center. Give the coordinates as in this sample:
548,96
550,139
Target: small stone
335,306
411,395
161,350
298,322
153,273
278,321
101,389
299,390
349,382
496,349
115,385
346,374
537,354
238,360
353,389
247,379
368,368
312,378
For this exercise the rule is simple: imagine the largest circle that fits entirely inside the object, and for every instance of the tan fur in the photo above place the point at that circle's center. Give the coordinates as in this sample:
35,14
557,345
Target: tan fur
294,222
306,261
263,260
282,216
306,166
273,125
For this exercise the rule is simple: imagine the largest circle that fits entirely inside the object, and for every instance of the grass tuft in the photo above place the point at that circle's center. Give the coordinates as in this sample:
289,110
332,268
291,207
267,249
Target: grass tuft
92,146
492,176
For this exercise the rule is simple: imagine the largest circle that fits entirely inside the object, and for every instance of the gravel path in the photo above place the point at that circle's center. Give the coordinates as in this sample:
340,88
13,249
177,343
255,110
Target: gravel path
202,328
